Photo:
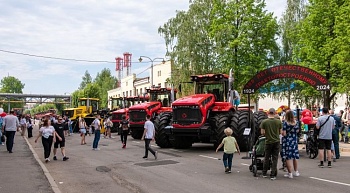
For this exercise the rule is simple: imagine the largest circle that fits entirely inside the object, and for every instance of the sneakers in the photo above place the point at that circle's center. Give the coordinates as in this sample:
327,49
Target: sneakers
264,175
2,144
273,178
144,157
289,175
124,146
54,158
156,155
47,160
329,164
229,171
65,158
321,165
226,170
96,149
296,174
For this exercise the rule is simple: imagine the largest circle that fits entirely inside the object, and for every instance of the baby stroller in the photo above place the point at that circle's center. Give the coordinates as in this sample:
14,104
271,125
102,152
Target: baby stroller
312,145
257,153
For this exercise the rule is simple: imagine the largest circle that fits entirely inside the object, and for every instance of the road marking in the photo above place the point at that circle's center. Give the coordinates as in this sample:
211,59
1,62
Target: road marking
176,150
330,181
210,157
136,141
245,164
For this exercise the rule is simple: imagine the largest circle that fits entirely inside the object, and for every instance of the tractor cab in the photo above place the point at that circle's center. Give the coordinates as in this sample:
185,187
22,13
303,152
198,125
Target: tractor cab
160,100
216,84
116,103
126,103
162,95
87,107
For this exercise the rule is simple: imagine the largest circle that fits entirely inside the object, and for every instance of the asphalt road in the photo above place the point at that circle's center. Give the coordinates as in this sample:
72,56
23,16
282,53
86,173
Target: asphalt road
113,169
20,172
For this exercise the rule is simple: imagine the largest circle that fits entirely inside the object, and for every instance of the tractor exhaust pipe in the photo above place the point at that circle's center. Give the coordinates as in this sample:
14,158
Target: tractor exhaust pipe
172,94
230,84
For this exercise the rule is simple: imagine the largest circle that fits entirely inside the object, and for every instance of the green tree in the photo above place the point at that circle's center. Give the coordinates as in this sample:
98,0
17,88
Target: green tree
75,97
214,36
188,42
92,90
86,80
320,45
288,25
245,38
104,81
10,84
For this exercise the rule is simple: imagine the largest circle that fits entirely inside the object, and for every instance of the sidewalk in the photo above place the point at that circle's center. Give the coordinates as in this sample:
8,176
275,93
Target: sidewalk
20,172
344,147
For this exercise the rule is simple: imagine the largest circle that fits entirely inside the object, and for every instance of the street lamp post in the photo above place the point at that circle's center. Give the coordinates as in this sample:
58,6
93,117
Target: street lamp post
163,61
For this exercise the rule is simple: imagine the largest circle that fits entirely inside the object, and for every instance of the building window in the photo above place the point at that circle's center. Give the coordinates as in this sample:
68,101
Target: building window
159,73
141,91
130,92
137,91
126,83
123,94
126,93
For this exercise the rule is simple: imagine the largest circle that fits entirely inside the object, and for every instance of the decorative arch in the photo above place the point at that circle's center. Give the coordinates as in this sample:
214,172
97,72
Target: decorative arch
307,75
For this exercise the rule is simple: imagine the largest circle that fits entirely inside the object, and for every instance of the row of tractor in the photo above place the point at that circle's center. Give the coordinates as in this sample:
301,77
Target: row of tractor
201,117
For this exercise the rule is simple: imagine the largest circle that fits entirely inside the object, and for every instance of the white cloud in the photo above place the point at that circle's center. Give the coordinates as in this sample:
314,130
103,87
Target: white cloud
81,29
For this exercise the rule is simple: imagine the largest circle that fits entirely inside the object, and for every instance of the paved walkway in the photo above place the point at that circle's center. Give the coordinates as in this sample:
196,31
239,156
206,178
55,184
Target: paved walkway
20,172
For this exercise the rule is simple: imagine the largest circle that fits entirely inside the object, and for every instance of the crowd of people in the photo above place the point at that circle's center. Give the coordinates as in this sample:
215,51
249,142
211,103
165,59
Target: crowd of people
281,133
282,138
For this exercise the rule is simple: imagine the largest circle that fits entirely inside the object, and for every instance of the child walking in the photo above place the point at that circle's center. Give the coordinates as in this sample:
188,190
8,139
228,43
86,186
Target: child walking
230,147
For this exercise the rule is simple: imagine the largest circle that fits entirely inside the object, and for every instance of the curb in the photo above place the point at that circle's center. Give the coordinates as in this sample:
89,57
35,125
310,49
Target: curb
45,170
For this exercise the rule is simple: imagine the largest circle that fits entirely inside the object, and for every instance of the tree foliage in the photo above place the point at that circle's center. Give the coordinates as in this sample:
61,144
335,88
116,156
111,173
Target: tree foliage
214,36
97,88
104,81
42,108
288,28
86,79
323,44
10,84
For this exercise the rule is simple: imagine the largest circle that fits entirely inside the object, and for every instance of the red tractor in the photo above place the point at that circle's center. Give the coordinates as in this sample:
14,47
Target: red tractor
204,116
124,108
159,102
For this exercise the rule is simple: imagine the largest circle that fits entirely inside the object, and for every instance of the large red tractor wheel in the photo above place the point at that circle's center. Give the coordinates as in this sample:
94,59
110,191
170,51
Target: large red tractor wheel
219,123
161,121
238,124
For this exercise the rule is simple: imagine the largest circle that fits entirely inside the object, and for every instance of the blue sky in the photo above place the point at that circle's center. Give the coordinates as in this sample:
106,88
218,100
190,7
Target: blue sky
82,29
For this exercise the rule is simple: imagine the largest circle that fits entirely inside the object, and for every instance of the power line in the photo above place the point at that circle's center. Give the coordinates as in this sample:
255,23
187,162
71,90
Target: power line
58,58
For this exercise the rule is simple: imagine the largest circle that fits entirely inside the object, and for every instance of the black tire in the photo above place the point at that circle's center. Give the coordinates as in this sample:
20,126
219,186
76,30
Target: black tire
181,142
136,134
258,118
219,123
238,124
161,121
